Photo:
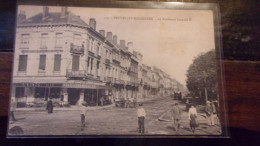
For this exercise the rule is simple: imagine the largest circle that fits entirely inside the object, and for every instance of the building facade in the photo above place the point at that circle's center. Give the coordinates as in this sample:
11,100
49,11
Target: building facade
59,56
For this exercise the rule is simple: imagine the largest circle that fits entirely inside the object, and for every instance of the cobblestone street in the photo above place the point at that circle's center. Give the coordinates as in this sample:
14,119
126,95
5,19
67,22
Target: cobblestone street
110,121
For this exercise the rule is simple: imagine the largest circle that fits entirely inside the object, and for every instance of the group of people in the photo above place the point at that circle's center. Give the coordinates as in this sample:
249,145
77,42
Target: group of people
176,112
176,117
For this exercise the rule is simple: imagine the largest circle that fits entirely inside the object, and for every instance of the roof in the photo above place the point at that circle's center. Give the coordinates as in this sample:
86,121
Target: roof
54,18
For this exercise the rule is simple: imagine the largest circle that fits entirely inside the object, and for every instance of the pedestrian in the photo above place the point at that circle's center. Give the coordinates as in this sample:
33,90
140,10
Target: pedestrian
176,116
187,104
141,116
12,109
209,113
49,106
102,100
83,111
192,117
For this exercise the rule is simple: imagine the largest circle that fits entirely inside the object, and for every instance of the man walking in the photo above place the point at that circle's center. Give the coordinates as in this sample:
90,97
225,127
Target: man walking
176,116
141,115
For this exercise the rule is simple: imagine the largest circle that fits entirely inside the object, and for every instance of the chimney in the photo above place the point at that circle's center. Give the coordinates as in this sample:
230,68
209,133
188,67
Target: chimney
45,12
64,11
130,46
115,39
122,44
109,36
21,16
92,23
102,32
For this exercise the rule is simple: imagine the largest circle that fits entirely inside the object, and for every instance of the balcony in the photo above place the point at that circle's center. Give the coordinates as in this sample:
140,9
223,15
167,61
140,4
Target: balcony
107,61
76,74
116,61
110,79
74,49
91,54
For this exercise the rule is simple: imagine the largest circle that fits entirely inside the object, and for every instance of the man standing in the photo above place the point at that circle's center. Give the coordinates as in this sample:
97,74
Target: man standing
83,110
141,115
209,113
192,117
12,109
176,116
49,106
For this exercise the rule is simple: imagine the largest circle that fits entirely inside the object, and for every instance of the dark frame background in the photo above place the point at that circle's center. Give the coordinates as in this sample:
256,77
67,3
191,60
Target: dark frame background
239,18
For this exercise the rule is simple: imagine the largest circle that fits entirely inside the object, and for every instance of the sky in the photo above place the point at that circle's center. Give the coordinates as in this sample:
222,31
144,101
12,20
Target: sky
168,39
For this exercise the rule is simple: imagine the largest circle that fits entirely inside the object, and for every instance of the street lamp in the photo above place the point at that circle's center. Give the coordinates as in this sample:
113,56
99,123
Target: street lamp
206,92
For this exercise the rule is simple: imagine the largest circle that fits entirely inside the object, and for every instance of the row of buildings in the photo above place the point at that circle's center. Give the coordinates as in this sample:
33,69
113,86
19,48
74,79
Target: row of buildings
59,56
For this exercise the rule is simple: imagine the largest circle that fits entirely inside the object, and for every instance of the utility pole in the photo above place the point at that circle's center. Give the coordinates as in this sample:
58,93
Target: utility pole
206,92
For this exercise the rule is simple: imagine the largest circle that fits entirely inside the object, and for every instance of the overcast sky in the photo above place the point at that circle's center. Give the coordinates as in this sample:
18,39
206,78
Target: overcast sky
170,44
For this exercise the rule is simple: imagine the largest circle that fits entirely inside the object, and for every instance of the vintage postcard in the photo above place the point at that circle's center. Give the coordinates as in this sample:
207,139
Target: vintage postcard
89,71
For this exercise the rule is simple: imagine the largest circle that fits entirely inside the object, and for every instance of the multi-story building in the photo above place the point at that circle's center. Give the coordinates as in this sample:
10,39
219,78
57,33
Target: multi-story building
60,56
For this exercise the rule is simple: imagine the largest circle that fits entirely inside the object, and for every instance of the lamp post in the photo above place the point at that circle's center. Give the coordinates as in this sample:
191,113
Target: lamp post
206,92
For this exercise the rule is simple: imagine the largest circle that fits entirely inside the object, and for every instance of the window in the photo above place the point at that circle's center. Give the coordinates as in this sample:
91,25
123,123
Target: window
25,39
57,62
22,63
42,63
98,47
75,63
77,39
58,42
19,92
91,67
44,37
98,70
89,64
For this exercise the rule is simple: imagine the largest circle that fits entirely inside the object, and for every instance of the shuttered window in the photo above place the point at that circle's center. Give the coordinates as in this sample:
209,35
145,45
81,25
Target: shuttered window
22,63
57,62
42,63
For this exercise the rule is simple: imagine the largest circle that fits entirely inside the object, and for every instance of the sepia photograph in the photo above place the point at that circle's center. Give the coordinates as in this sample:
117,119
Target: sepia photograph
90,71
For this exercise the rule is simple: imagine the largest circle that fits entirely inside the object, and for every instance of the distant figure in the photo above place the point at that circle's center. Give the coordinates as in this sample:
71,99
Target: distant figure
209,113
12,109
187,104
141,116
102,101
192,117
83,111
49,106
176,116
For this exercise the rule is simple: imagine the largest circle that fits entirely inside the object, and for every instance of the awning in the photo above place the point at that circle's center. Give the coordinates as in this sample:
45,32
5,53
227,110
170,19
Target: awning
60,83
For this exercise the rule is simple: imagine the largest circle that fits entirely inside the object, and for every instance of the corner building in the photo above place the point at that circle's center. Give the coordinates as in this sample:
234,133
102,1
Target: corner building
59,56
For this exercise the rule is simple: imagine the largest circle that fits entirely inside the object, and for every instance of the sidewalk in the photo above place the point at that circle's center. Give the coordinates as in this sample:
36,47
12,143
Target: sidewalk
72,108
76,107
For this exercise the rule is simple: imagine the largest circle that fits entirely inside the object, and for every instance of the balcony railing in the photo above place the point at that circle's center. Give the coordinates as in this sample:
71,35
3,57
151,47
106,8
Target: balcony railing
76,49
79,73
116,61
109,79
118,81
107,61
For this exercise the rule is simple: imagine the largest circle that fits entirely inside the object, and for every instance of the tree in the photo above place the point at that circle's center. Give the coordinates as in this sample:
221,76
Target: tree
202,75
